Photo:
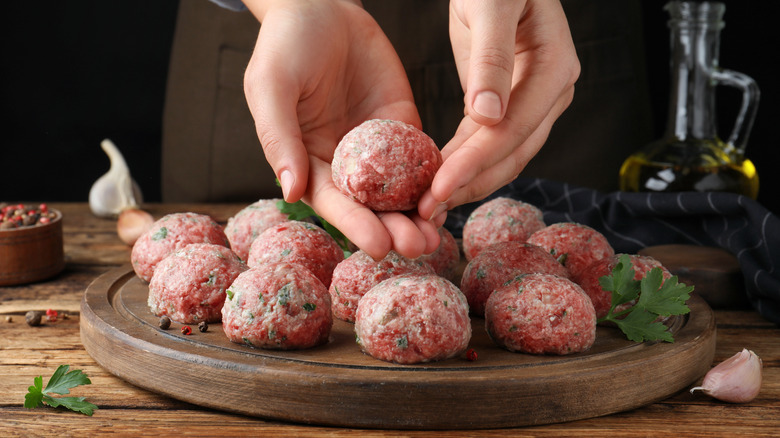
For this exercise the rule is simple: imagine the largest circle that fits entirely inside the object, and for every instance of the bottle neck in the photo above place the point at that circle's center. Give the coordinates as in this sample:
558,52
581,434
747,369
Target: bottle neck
695,45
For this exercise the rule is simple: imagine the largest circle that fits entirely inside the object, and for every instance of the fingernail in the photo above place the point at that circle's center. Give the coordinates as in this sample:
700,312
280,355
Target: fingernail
487,104
286,179
441,208
440,219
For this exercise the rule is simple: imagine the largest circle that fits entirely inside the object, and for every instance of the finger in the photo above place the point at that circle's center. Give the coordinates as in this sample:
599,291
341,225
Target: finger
439,220
506,170
361,226
429,231
430,205
278,130
491,62
487,146
407,238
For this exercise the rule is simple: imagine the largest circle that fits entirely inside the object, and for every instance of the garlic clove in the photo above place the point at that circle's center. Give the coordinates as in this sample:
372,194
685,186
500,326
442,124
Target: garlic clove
736,379
132,223
116,190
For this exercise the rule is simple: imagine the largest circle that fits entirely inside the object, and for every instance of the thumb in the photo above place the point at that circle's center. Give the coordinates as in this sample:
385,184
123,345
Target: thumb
490,65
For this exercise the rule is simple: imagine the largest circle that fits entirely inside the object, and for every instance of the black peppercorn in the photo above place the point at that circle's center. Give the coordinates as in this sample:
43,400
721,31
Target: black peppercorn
33,318
165,322
203,326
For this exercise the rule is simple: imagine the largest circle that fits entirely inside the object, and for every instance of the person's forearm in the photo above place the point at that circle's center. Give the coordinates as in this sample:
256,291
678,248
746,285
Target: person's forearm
259,8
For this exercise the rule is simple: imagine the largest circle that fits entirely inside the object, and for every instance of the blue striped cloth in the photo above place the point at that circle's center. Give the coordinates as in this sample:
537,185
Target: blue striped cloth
632,221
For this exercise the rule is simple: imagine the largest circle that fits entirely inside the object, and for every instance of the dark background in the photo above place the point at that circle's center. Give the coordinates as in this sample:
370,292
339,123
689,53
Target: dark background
79,71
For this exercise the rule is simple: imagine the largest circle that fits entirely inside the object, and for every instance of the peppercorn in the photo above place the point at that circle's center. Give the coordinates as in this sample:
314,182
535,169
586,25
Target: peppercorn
186,330
471,355
51,315
19,215
33,318
203,326
165,322
9,318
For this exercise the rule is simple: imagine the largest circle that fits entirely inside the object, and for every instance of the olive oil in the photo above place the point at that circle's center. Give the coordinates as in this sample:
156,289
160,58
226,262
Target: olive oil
678,168
640,175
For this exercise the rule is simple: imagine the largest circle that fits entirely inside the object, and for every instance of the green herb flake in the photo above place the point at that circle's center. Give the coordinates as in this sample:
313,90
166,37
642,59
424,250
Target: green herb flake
60,383
309,307
403,342
160,234
283,296
229,294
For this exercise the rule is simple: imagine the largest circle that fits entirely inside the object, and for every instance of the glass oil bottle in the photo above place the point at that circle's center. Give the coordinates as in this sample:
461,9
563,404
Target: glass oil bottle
691,156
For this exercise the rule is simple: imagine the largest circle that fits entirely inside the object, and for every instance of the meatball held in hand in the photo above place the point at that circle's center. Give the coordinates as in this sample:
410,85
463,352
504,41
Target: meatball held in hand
385,164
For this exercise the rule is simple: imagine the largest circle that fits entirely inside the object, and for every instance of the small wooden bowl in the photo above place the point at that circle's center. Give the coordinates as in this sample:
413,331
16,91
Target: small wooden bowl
30,254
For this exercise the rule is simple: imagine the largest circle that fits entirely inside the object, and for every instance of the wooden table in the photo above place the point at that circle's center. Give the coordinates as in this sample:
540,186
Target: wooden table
92,248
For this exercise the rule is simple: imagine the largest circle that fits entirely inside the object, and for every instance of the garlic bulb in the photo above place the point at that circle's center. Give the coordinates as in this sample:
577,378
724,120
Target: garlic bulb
736,379
116,190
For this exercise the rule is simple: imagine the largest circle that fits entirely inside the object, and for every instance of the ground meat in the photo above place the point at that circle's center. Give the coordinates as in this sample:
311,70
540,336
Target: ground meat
172,232
189,285
354,276
577,246
499,220
277,306
446,258
412,319
541,314
247,224
298,242
385,164
602,300
500,263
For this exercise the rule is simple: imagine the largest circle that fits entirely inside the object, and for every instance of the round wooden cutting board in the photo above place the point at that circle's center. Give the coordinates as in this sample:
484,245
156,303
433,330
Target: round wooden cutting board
335,384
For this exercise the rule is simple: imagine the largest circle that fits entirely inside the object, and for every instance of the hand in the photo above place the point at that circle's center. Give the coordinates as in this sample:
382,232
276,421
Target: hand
318,70
517,65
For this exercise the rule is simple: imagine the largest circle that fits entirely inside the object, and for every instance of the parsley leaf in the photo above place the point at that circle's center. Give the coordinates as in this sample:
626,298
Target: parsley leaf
654,297
299,211
60,383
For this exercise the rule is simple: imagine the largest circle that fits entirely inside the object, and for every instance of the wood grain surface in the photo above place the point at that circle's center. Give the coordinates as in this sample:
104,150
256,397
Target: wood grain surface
92,248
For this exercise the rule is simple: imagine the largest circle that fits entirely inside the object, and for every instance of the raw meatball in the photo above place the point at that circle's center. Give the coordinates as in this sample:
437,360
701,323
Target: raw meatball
602,300
298,242
247,224
500,263
385,164
189,284
172,232
541,314
577,246
499,220
354,276
412,319
446,258
277,306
